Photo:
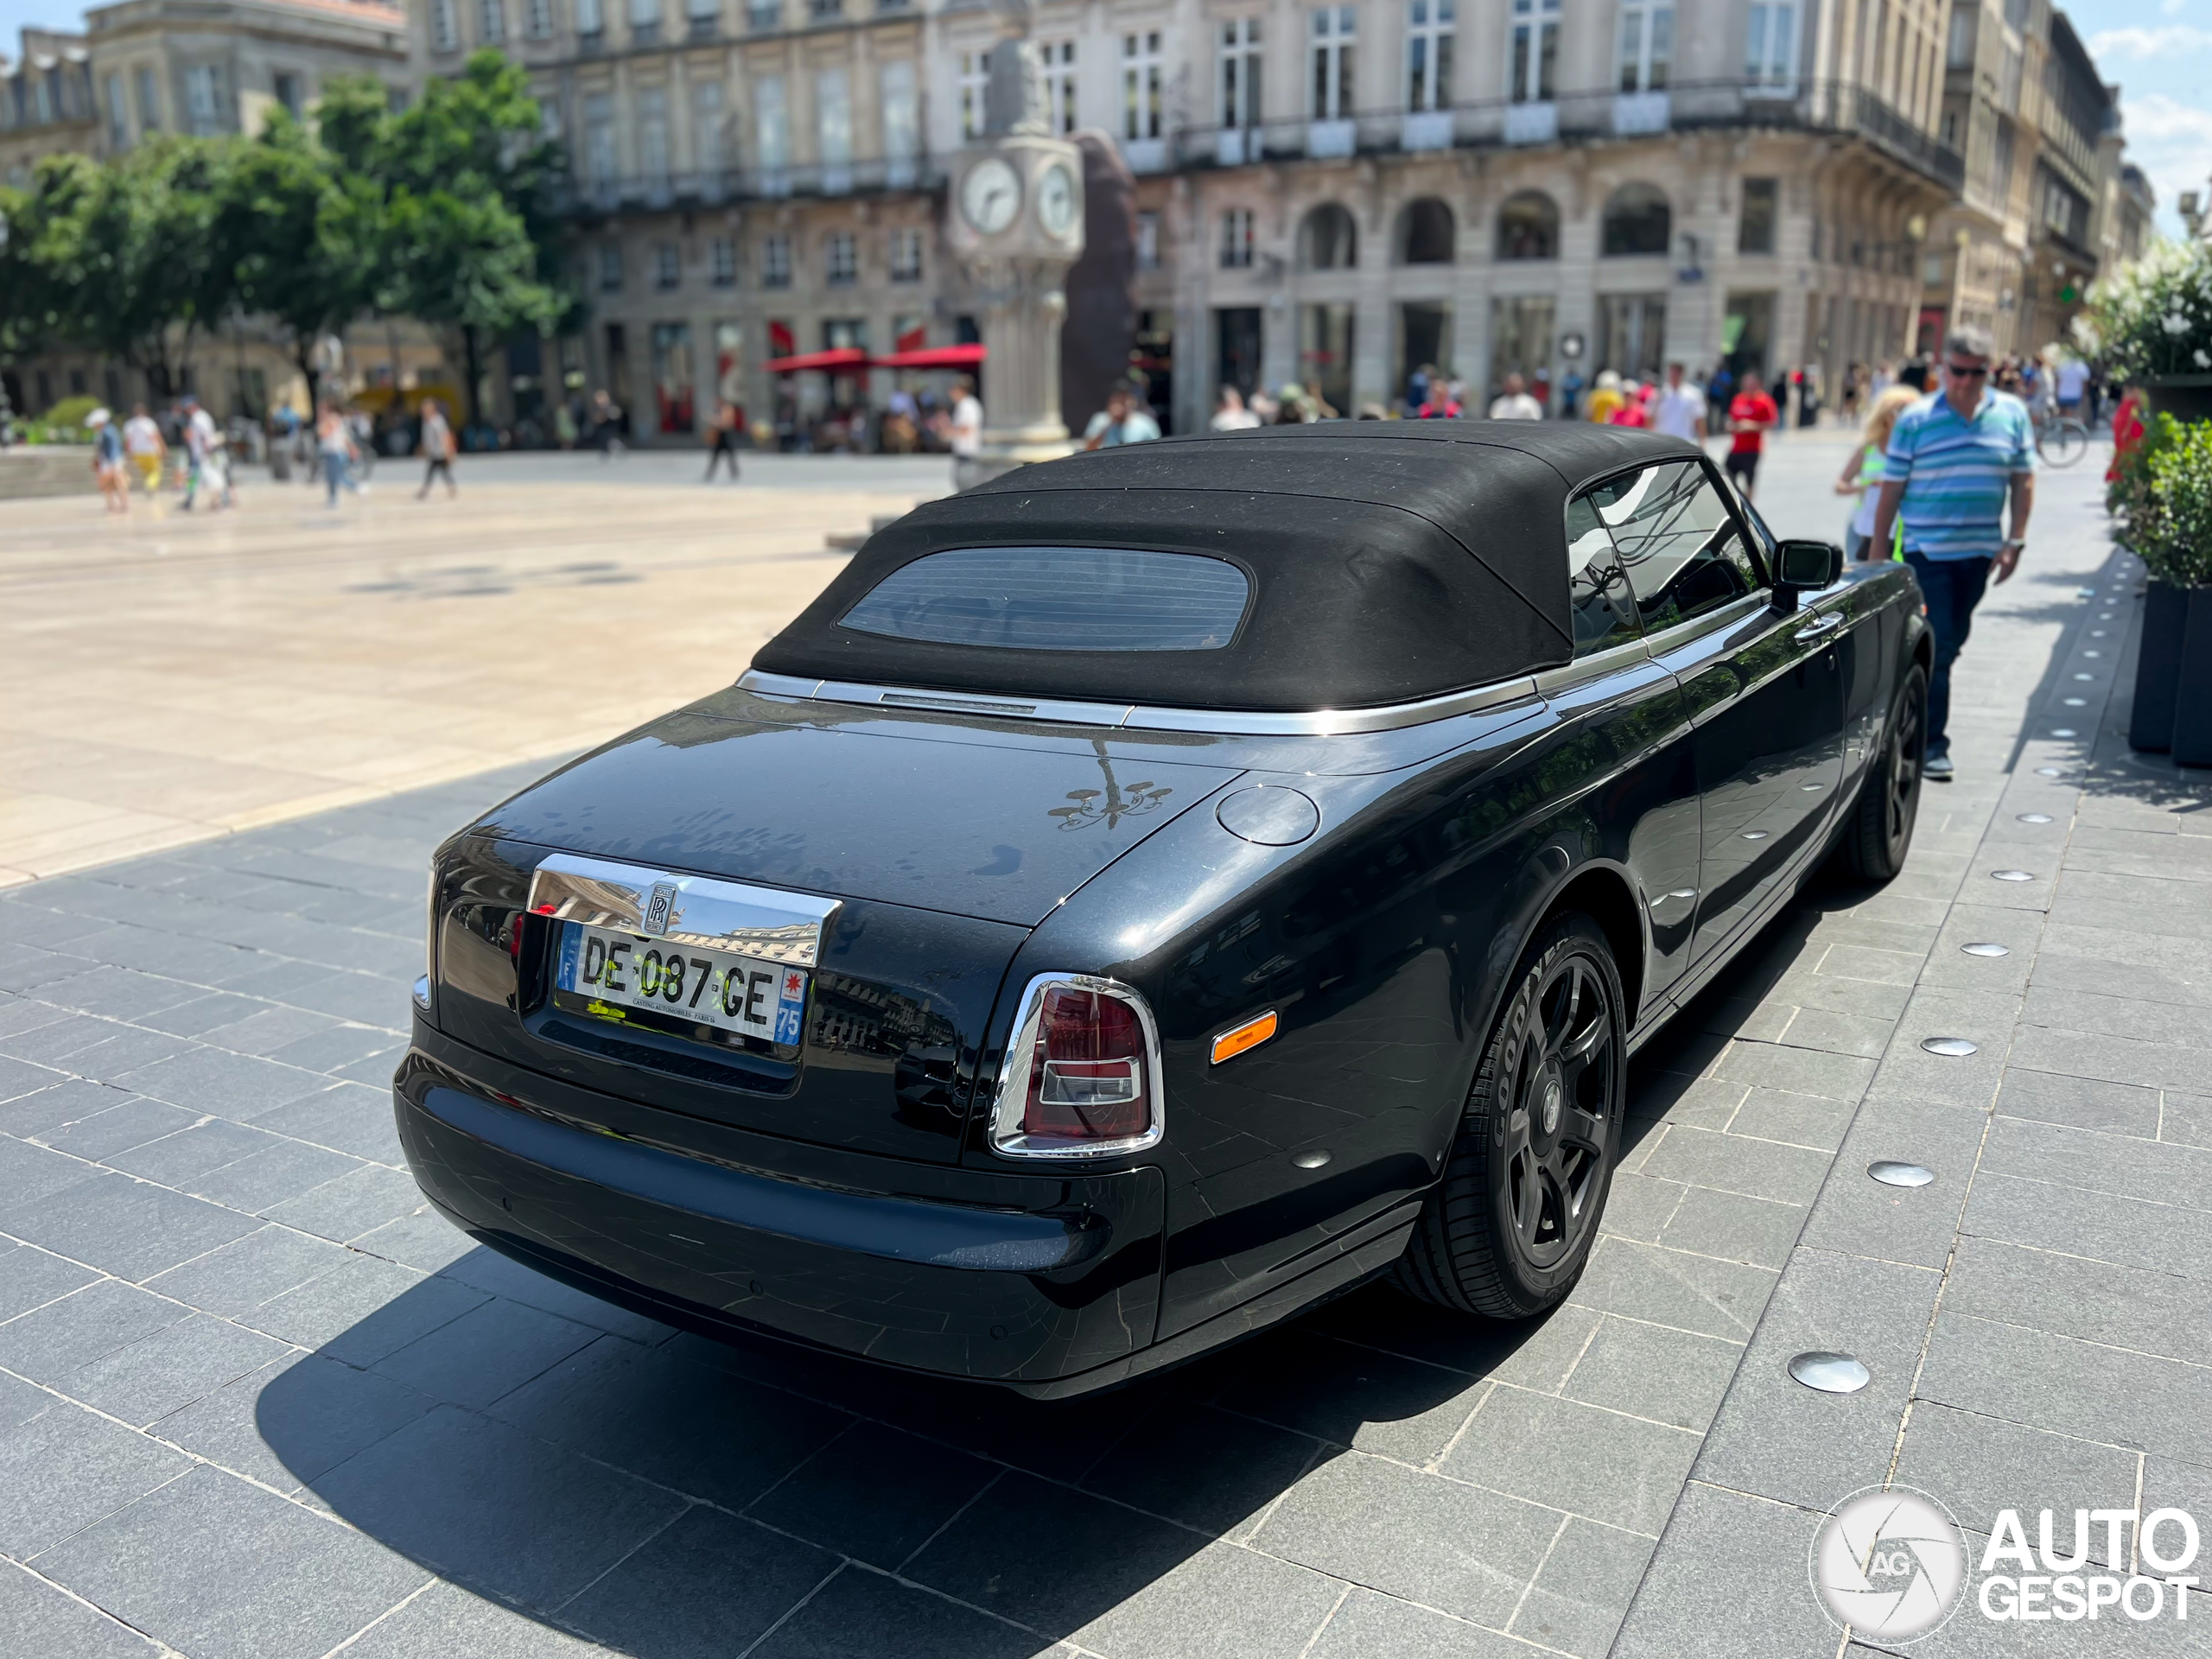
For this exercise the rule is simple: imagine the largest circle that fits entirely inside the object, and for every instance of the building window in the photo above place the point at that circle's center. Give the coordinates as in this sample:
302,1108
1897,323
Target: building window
600,166
776,260
1951,127
668,265
1428,56
1638,220
537,19
1148,241
833,118
1331,31
1535,52
1771,43
1428,234
722,261
644,21
490,21
902,120
1647,45
653,137
1755,226
445,26
1058,57
841,259
708,152
1329,239
704,16
1240,72
287,89
1237,239
610,267
118,112
1960,54
771,138
203,99
1140,77
974,80
1527,226
591,22
149,101
905,256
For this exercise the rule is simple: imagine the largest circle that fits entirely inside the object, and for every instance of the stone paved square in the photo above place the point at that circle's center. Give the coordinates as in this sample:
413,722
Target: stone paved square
255,1399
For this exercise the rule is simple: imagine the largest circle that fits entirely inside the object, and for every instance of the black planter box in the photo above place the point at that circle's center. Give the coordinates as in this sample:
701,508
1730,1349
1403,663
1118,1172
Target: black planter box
2158,667
2192,742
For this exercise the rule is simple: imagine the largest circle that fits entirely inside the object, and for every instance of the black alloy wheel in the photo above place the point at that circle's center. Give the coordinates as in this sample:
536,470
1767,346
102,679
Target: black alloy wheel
1879,833
1508,1229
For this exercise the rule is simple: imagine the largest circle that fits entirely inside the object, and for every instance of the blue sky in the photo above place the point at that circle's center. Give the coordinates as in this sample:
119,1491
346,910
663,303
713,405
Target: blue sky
2159,51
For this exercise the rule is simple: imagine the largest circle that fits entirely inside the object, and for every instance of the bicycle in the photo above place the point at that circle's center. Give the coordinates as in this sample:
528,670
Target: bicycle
2059,439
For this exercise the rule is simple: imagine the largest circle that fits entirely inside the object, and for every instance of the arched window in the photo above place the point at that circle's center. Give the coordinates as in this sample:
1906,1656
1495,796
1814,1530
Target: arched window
1427,234
1638,220
1328,240
1527,226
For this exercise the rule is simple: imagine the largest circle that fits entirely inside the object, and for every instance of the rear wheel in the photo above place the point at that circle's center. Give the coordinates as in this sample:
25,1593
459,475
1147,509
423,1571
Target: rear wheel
2061,442
1507,1230
1880,834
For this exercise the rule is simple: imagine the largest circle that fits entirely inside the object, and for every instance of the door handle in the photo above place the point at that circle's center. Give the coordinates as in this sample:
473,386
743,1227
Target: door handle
1818,626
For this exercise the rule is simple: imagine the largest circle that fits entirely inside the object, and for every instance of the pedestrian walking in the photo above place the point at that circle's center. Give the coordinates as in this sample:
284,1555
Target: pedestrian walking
333,444
204,444
436,447
1955,459
966,442
1123,421
143,445
1514,403
108,468
1605,399
1750,412
1229,414
721,433
1679,410
1862,473
607,425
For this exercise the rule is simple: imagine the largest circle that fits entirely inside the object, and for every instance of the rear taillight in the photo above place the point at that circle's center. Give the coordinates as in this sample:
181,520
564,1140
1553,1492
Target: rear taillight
1082,1072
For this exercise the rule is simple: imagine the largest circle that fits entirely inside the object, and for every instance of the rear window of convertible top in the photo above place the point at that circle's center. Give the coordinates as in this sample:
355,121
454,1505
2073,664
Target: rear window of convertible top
1058,599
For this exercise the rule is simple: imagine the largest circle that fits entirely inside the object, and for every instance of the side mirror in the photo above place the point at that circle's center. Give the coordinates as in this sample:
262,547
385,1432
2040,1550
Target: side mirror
1804,567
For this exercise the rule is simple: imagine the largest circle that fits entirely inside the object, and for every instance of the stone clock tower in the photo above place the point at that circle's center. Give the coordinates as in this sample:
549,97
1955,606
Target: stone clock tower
1016,224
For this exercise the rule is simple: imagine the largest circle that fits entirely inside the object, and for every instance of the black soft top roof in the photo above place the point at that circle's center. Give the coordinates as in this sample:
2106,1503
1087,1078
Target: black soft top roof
1389,561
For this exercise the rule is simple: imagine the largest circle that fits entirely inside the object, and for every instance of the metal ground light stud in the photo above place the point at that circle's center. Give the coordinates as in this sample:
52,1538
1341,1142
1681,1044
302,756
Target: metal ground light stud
1830,1373
2035,817
1951,1048
1889,1172
1986,948
2011,875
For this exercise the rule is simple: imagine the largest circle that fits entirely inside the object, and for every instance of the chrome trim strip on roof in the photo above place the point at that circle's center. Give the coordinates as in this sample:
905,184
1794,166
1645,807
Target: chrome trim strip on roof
1239,723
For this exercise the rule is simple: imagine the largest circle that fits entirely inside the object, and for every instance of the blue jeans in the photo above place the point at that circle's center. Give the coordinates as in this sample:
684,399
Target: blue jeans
338,472
1952,587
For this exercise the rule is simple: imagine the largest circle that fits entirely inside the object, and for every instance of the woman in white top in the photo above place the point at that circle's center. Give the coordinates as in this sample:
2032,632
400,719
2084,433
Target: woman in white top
1232,416
1862,473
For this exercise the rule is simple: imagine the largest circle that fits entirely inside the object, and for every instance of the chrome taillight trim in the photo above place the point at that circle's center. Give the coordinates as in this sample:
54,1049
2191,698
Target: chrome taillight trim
1011,1098
770,924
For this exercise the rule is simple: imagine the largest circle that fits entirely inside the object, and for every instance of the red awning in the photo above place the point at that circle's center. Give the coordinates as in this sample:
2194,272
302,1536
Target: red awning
933,357
844,358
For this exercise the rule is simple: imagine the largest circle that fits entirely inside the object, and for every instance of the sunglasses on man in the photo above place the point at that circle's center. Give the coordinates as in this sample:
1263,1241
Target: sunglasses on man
1965,374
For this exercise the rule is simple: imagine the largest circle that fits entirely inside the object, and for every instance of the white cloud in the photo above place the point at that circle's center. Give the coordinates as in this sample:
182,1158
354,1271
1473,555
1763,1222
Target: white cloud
2171,142
2167,41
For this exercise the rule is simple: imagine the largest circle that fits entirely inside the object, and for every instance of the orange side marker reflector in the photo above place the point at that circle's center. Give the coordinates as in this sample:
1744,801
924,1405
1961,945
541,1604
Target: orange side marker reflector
1250,1034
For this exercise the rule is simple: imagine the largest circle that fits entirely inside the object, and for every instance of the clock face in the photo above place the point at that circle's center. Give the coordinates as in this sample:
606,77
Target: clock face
1056,204
990,195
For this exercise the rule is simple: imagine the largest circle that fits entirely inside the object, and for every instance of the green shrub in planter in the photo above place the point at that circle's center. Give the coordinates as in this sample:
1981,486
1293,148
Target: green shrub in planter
69,412
2164,496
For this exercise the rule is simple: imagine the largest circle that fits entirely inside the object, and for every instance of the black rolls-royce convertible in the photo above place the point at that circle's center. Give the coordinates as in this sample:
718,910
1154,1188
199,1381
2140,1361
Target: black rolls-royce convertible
1157,890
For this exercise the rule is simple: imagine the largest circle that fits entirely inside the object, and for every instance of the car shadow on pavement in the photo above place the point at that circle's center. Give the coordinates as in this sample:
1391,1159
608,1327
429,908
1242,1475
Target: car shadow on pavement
667,1495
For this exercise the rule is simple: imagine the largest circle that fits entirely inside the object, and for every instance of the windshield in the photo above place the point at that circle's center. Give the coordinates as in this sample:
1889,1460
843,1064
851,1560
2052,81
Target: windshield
1058,599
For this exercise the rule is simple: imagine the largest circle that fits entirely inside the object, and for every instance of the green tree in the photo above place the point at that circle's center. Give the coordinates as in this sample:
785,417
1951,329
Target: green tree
304,237
125,257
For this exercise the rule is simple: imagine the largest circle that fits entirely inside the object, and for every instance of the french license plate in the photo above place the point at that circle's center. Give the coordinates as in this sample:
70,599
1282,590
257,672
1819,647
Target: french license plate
622,971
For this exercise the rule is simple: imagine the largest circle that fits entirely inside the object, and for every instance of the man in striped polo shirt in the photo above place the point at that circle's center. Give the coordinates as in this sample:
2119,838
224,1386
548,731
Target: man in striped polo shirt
1955,459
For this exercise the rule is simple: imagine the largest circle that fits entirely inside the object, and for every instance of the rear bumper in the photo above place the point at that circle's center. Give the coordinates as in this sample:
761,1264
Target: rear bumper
1049,1285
